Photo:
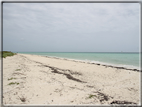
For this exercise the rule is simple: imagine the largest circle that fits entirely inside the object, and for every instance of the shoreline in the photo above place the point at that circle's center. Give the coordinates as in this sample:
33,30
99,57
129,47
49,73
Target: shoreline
95,63
99,63
35,79
117,63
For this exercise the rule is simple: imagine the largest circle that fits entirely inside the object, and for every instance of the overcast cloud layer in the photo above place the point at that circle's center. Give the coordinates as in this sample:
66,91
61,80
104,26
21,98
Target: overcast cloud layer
71,27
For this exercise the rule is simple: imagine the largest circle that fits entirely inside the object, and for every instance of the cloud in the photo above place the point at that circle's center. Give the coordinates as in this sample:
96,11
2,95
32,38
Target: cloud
81,16
72,22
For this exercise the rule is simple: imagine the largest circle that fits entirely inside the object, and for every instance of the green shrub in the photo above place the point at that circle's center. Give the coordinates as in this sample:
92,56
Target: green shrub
7,53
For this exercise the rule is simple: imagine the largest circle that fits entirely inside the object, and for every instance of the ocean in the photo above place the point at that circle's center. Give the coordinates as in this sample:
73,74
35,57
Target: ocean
121,59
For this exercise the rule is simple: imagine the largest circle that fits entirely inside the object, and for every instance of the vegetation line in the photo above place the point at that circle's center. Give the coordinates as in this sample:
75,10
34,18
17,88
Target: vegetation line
7,53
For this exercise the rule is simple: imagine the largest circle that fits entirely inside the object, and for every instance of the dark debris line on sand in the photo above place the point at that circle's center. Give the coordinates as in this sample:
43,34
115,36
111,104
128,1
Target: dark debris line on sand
117,67
67,75
54,70
103,96
122,102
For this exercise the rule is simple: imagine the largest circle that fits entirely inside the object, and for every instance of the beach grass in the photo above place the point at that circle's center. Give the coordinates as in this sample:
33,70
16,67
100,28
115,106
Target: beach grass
18,69
11,78
12,83
91,96
7,53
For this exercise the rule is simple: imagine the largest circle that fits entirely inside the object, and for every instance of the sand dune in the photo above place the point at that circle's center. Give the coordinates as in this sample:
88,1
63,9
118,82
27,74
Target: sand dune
34,79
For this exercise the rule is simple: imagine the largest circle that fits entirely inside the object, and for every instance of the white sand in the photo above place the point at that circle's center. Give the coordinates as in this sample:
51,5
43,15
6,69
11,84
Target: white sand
44,80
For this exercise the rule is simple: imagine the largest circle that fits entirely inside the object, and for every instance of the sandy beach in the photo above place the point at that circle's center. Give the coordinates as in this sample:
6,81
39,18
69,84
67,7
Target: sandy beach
34,79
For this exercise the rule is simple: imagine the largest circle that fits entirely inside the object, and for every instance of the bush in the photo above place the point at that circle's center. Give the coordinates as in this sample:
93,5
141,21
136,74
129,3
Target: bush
7,53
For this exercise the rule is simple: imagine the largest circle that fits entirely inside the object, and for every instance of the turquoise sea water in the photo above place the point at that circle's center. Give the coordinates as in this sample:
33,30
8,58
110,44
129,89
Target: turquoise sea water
129,60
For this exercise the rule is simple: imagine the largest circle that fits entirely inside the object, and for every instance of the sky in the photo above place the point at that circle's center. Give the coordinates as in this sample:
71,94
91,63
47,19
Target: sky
71,27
